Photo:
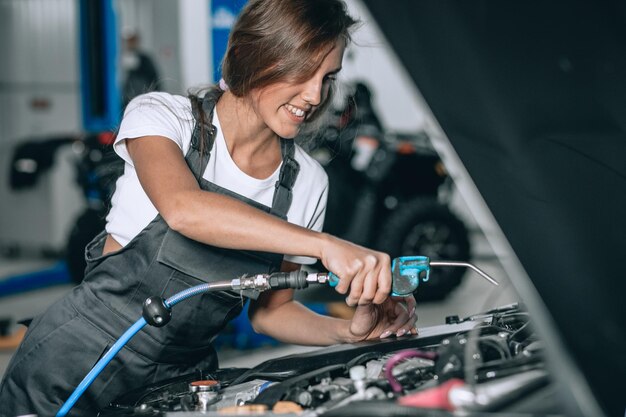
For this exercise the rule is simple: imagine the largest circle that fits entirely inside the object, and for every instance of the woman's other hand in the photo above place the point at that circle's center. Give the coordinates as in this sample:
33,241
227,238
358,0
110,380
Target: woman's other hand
396,315
364,274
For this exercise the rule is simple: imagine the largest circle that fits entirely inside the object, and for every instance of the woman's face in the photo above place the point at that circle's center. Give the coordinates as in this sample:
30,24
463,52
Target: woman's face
284,106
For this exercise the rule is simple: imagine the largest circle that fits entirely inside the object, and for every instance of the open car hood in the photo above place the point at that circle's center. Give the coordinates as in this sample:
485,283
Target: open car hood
532,97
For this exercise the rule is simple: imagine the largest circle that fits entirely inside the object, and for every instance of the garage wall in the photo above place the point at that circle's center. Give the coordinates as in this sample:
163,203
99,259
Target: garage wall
39,73
157,23
40,98
39,95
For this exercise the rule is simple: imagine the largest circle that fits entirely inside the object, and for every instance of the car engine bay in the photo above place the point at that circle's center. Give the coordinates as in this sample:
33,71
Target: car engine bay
485,364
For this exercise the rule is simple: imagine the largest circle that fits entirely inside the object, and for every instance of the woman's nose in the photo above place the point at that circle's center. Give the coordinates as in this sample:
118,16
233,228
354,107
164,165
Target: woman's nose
312,92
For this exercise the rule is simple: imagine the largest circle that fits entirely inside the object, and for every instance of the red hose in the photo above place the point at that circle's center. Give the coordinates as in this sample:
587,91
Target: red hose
436,397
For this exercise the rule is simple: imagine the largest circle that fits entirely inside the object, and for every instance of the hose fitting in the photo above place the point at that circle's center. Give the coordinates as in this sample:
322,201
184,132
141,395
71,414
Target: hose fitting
156,312
276,281
295,279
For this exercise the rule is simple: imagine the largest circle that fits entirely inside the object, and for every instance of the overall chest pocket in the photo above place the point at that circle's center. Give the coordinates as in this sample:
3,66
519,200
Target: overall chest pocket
198,319
210,263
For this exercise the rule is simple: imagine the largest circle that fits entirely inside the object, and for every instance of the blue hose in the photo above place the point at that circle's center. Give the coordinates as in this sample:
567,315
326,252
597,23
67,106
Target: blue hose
189,292
98,367
132,331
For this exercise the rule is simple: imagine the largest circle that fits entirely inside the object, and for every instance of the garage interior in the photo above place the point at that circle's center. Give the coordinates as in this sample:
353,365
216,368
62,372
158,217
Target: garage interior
503,132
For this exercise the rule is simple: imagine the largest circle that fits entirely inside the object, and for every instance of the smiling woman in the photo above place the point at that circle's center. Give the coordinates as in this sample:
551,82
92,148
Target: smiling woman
214,188
285,106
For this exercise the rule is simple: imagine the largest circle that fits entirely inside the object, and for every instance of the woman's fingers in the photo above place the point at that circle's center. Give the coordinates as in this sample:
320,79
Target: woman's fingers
355,292
384,285
402,317
405,318
374,279
370,285
411,305
365,275
410,326
344,284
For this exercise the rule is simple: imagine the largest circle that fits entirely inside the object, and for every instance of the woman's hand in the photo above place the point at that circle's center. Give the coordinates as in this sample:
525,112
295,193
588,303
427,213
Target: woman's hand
365,273
395,316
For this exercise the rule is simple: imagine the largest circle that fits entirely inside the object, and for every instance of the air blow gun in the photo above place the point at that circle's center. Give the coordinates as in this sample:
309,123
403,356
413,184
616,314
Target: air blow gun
406,274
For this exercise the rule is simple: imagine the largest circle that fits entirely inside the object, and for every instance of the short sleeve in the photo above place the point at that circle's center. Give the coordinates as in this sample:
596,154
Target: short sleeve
155,114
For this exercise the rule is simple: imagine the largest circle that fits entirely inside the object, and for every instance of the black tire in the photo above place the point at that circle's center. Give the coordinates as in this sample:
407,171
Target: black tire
425,227
87,226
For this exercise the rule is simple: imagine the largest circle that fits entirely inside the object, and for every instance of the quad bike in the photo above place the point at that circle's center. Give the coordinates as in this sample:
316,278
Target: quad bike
389,191
97,169
96,166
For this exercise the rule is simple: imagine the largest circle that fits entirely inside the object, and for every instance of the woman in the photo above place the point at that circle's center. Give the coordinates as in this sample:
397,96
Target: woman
208,186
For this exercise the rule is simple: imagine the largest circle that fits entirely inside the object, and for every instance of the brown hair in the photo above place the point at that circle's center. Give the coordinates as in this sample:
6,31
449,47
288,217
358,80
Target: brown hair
279,40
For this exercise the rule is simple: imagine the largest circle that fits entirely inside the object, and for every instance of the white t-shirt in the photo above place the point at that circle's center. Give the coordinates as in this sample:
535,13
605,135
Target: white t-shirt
170,116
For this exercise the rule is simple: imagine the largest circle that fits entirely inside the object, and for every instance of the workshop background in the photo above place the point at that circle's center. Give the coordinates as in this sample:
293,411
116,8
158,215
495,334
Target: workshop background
61,95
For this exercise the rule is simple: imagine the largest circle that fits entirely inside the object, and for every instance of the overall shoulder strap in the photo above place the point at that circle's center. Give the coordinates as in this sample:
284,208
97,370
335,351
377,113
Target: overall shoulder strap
203,135
289,170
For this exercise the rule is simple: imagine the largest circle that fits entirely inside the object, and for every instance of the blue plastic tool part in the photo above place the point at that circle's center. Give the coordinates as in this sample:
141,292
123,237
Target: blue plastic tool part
406,272
333,279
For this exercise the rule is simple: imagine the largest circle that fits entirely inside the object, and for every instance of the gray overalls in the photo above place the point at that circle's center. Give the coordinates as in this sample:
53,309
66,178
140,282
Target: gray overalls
63,344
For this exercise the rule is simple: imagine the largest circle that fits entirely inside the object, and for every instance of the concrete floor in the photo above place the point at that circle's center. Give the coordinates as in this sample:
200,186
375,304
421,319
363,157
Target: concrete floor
472,296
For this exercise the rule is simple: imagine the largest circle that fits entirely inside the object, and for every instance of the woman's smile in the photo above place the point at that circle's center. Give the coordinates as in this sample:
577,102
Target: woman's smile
285,105
296,114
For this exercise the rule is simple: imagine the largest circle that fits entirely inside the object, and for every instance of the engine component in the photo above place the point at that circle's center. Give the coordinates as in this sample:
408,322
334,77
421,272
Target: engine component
204,394
477,364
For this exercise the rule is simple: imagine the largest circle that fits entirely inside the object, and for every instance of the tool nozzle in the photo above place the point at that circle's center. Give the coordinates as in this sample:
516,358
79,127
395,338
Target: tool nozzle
466,265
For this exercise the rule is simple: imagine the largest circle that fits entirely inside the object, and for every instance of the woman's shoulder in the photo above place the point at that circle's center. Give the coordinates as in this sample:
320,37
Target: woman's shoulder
174,104
310,167
157,114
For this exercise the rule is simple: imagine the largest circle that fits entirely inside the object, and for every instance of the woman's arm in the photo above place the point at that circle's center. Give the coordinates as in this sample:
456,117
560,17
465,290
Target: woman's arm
223,221
209,217
276,314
